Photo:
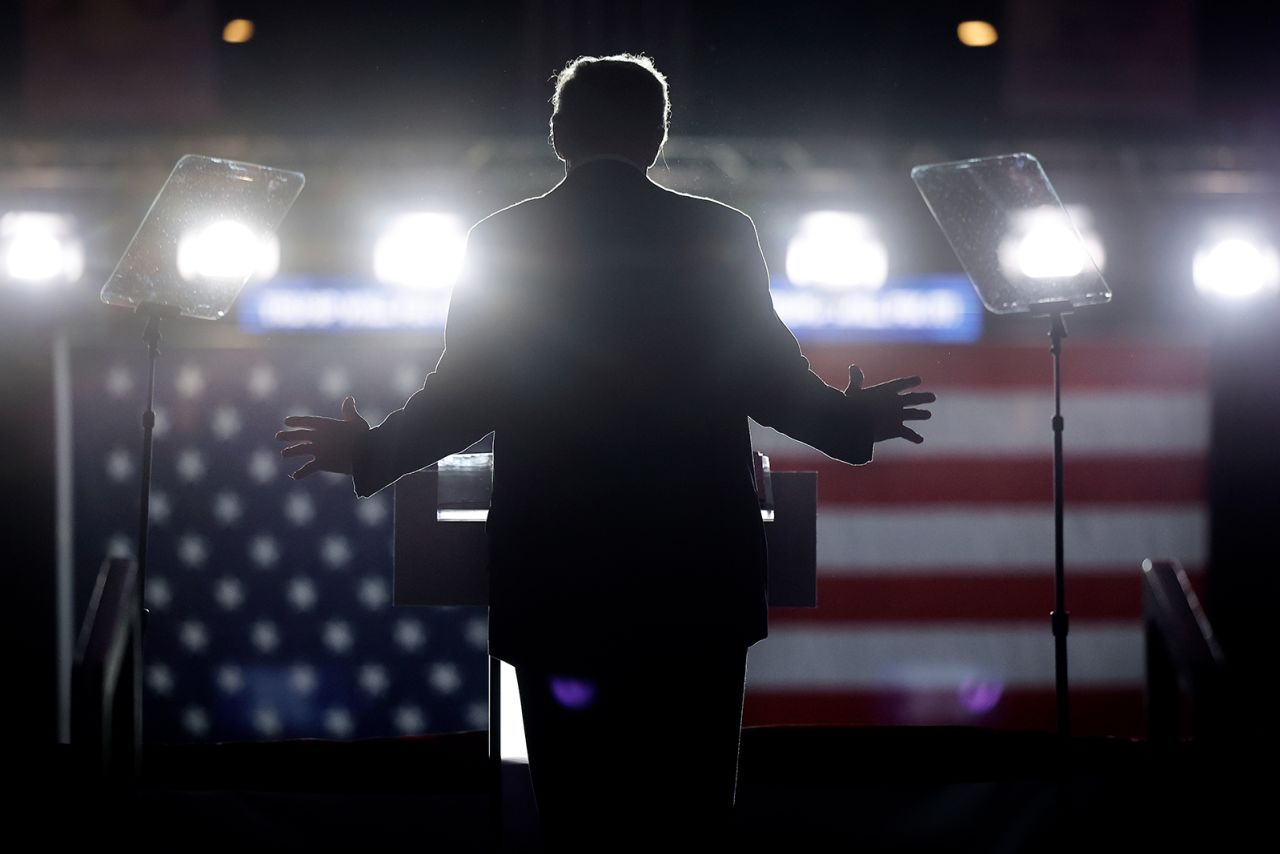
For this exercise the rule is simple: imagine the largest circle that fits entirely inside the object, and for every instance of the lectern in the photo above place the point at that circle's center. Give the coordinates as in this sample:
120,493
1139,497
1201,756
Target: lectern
441,550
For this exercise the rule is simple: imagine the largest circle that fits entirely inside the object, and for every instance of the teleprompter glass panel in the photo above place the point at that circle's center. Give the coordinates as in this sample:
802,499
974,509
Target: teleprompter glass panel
1005,223
209,229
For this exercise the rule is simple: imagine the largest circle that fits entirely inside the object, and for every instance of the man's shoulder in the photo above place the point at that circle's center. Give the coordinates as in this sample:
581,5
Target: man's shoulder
705,203
713,211
511,216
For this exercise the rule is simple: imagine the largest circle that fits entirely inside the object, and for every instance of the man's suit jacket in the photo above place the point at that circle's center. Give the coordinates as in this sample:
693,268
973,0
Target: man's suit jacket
615,337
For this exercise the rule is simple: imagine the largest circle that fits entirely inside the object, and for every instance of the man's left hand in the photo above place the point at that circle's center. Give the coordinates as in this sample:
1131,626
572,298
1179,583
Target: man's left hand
887,408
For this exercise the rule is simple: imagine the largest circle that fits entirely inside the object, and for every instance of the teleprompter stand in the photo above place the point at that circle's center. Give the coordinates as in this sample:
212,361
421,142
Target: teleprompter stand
154,313
1024,255
200,241
1059,617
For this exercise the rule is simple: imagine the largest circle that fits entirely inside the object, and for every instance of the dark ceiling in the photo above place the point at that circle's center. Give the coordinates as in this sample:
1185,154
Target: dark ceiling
877,69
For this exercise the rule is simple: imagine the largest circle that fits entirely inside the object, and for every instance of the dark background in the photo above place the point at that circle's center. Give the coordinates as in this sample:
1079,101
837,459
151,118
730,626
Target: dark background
759,69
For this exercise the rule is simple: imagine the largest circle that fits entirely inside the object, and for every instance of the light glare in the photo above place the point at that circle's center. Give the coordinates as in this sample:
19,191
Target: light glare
40,248
976,33
836,250
237,31
510,717
421,250
1044,243
227,250
1236,268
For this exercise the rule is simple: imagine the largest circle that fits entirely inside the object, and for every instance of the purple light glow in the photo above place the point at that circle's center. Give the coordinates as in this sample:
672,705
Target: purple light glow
572,693
978,696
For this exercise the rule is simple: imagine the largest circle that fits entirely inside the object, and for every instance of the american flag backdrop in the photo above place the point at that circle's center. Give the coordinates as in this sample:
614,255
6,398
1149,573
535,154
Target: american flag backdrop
270,600
935,562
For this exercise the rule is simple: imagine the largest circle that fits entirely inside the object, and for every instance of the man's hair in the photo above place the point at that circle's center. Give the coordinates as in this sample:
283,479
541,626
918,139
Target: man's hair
610,105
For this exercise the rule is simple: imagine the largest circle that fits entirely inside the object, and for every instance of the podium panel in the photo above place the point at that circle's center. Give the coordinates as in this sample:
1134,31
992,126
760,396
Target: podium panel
436,562
441,551
441,559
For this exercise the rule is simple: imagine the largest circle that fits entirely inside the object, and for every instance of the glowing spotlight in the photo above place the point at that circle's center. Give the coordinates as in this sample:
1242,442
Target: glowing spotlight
237,31
227,250
1236,268
421,250
1045,244
836,250
40,248
976,33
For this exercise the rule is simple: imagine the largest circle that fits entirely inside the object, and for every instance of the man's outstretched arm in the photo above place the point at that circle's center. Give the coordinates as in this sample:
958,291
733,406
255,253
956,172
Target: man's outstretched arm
786,395
450,412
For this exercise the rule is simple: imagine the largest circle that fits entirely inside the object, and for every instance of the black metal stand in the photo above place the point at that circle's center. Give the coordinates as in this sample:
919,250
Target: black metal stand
154,313
1059,617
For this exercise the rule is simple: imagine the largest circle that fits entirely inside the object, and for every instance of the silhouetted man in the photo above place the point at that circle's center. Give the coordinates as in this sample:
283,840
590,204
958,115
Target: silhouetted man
615,337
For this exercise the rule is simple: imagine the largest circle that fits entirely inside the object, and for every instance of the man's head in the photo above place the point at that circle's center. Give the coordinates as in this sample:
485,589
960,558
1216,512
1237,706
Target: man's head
610,105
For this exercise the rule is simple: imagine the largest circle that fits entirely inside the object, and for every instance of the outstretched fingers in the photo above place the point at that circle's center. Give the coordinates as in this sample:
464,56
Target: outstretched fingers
298,449
295,435
897,385
916,398
911,435
307,469
916,415
312,421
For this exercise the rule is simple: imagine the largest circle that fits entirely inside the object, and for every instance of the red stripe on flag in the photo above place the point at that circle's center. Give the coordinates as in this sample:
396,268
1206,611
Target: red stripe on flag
968,598
950,480
1108,366
1094,711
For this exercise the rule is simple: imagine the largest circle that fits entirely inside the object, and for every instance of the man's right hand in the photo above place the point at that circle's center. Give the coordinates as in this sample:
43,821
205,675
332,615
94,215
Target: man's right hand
328,440
889,411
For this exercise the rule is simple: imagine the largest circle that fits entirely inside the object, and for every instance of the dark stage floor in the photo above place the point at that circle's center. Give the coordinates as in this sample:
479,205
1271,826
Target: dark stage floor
800,789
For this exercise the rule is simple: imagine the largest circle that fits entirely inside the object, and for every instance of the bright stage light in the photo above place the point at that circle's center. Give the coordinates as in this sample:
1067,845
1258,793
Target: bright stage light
227,250
421,250
40,248
1236,268
976,33
1045,243
836,250
237,31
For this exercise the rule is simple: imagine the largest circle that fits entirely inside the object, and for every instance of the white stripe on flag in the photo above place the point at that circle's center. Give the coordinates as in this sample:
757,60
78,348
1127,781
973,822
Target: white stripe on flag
999,538
972,423
929,658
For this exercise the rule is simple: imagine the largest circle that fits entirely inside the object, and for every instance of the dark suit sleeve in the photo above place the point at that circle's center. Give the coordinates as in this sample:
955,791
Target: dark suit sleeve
455,406
782,391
